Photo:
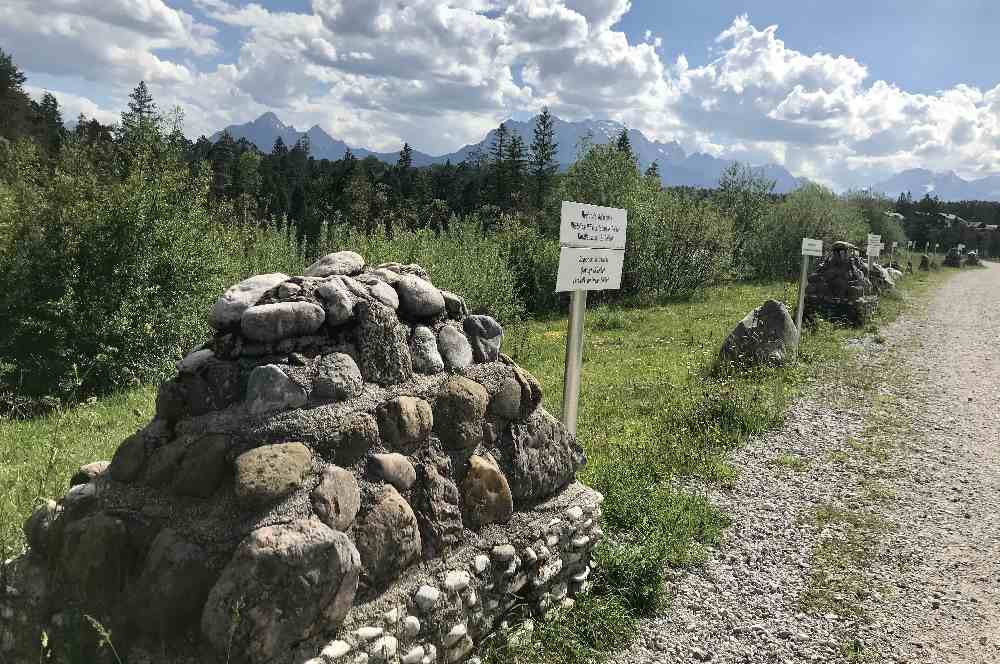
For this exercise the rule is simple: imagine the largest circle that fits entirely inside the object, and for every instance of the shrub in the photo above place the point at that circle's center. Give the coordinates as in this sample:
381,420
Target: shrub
106,280
676,245
812,211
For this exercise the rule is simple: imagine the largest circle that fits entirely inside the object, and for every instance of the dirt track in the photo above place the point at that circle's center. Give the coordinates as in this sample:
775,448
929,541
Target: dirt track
868,528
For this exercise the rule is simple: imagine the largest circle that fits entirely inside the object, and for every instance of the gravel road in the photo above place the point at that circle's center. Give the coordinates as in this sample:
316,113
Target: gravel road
866,529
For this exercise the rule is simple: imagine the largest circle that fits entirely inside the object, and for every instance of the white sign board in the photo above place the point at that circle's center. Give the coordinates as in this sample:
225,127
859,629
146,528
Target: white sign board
589,269
895,244
961,247
874,250
592,226
812,247
874,239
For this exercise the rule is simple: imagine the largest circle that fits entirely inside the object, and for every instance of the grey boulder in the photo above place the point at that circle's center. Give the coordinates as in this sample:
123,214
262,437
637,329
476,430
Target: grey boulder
338,301
454,348
270,390
341,262
337,498
281,320
419,298
289,581
229,308
424,351
485,335
337,377
767,335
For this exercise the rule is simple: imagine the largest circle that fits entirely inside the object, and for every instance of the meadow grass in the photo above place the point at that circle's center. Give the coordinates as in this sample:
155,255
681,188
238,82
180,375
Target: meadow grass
652,411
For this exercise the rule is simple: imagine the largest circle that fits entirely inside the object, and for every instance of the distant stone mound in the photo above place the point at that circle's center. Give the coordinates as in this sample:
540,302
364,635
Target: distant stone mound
972,258
925,263
350,466
839,289
953,258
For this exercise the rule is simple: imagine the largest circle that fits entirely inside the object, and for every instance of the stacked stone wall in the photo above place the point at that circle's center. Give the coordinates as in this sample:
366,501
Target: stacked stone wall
348,444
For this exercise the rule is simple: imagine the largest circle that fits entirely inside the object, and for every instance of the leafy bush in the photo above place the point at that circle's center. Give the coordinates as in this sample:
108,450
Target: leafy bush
104,281
676,245
812,211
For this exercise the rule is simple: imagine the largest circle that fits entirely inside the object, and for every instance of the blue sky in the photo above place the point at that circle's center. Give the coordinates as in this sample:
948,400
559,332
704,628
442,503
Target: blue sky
843,92
921,45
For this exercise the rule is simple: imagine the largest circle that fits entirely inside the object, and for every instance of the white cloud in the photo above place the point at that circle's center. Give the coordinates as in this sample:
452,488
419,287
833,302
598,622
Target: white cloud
439,73
72,106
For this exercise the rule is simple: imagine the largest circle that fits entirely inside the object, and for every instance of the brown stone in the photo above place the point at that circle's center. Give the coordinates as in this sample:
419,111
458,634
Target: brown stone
129,458
459,412
269,473
405,422
88,472
387,537
360,435
203,467
486,496
395,469
337,498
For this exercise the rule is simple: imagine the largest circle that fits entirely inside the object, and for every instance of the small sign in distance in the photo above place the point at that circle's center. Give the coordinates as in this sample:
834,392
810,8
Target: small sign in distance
812,247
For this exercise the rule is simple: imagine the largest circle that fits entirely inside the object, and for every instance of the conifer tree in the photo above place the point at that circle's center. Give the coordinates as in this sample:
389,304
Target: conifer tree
653,171
516,164
543,157
498,166
624,144
405,156
15,105
142,119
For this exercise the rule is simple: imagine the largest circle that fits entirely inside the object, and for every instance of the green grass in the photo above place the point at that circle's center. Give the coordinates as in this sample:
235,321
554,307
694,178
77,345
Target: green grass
652,411
38,456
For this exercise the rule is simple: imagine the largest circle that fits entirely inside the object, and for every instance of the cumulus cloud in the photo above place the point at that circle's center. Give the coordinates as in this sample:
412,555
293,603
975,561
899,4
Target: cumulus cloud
439,73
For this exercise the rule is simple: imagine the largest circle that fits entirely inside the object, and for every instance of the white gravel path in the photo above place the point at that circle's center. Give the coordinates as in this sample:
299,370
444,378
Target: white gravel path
908,567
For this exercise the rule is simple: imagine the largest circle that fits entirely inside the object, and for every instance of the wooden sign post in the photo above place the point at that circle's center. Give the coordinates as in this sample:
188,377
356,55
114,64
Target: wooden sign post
810,247
591,257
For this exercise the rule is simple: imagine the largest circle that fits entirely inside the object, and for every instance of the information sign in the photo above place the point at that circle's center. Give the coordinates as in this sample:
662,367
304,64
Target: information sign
592,226
589,269
812,247
591,256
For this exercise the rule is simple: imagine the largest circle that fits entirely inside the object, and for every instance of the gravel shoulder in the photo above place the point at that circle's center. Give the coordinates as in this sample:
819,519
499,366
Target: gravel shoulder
866,529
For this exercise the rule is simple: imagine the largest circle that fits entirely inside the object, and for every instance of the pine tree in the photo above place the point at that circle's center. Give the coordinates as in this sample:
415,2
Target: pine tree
15,105
405,157
279,149
516,164
543,157
498,166
624,144
653,171
49,123
142,119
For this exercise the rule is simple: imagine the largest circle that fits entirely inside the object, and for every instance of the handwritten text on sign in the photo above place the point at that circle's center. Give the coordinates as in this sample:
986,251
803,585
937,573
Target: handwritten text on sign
592,226
589,269
812,247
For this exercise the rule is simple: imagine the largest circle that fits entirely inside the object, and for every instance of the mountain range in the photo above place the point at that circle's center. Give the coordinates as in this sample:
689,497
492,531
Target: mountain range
677,168
946,185
675,165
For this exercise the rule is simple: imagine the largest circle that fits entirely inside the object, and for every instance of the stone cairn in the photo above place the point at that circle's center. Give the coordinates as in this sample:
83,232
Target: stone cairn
953,258
925,263
972,258
348,471
840,288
